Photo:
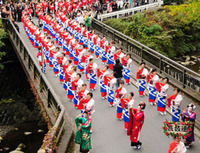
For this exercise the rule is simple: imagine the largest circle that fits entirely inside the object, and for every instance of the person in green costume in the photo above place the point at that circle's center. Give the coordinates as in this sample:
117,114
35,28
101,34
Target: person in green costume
88,21
83,135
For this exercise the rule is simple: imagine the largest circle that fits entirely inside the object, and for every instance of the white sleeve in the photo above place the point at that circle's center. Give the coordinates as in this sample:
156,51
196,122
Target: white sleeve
165,87
64,60
105,73
131,103
80,82
178,100
94,66
155,78
86,92
56,54
124,91
181,148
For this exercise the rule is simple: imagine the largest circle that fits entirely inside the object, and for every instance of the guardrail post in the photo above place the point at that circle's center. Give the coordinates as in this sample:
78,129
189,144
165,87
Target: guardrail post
184,78
113,36
21,46
127,45
102,30
48,97
13,33
29,63
24,53
141,54
17,40
34,69
160,65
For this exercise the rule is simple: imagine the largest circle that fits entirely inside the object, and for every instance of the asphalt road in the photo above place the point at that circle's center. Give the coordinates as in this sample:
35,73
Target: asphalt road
109,135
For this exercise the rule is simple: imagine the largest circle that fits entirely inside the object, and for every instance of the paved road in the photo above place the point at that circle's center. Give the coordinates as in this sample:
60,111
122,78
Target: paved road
109,135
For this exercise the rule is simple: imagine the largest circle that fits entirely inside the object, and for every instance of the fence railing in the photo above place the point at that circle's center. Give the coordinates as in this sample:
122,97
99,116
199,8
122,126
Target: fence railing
130,11
53,101
179,75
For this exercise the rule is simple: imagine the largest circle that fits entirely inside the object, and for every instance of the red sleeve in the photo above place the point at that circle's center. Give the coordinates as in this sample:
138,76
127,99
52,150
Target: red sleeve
73,86
171,147
139,72
158,86
39,54
148,78
170,99
139,117
130,124
122,103
123,61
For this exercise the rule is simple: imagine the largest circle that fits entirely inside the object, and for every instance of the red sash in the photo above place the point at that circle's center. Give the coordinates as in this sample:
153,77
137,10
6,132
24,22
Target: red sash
74,84
117,55
52,53
67,76
159,86
124,101
139,72
107,79
117,92
89,67
65,67
84,101
59,60
124,61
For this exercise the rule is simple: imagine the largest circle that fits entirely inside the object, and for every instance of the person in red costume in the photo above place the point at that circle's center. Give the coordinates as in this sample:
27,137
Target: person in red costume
177,146
136,121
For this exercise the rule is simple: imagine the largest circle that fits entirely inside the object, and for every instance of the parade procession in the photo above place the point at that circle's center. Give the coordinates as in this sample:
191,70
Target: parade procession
91,66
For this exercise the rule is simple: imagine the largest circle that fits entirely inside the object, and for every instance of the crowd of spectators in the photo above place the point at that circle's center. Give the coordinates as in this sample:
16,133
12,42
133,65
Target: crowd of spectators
108,6
13,9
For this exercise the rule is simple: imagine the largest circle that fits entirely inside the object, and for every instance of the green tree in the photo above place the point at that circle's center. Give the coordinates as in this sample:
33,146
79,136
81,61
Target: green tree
2,35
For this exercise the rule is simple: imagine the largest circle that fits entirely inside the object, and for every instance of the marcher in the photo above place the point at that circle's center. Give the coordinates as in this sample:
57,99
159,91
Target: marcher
103,73
76,86
162,89
189,115
136,121
177,146
110,83
120,93
141,78
175,101
126,62
42,60
91,70
152,78
83,136
126,104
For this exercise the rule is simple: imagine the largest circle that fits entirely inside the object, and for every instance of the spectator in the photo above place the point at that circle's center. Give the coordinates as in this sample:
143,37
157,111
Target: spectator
120,4
114,6
99,8
19,12
104,7
126,5
109,7
118,68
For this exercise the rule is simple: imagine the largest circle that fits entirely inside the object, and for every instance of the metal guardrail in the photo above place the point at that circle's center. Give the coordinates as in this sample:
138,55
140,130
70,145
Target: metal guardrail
52,99
118,14
179,75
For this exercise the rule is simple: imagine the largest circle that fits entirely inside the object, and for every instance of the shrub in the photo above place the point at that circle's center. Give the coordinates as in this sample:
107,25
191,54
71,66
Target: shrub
172,30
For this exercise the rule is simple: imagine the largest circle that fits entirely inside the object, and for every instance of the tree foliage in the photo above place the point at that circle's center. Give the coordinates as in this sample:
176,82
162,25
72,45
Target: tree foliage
2,35
172,30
